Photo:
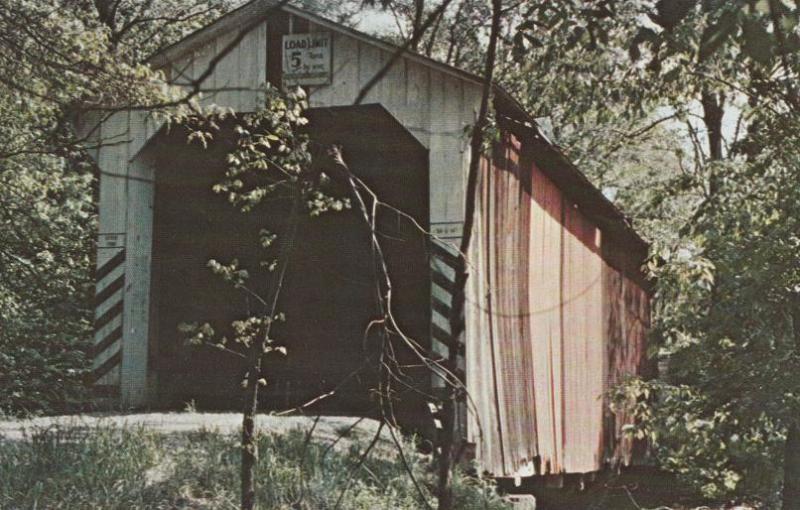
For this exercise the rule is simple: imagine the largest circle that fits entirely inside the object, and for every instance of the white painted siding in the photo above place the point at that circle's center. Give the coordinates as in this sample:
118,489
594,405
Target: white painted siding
433,103
112,156
139,247
238,77
125,224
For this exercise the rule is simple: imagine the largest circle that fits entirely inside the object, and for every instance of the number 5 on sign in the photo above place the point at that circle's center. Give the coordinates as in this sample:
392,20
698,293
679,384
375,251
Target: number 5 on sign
295,61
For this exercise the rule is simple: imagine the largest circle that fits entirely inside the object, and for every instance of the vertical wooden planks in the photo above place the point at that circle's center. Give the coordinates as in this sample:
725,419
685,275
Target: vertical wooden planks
143,126
512,239
277,25
500,365
440,187
226,78
482,428
260,63
139,227
550,326
320,95
201,61
548,323
370,62
182,70
345,85
251,73
112,140
545,296
452,148
627,307
417,101
393,88
237,78
583,343
113,161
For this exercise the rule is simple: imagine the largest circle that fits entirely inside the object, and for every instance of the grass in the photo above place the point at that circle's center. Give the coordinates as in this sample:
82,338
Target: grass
110,467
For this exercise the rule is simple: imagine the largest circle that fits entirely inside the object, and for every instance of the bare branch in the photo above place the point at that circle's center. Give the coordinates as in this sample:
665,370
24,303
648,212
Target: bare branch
360,463
398,54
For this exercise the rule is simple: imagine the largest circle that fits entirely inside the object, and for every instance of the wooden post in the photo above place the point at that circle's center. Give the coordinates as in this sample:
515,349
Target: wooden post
110,270
124,254
135,374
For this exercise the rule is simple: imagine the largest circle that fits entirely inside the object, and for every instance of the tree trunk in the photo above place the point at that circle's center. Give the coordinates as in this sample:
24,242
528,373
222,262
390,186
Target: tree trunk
250,408
712,118
107,12
791,468
450,408
444,489
249,445
416,35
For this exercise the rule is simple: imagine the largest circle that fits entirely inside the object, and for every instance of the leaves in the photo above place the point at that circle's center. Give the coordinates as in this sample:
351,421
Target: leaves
758,42
644,35
718,33
46,237
670,13
55,57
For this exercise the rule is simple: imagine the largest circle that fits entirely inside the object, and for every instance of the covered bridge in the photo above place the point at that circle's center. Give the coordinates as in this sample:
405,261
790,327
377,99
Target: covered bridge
557,309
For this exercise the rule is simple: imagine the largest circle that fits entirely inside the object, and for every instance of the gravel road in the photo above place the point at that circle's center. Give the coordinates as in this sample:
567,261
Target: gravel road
328,427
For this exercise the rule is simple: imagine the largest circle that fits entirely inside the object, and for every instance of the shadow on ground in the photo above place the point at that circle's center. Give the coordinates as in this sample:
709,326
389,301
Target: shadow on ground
637,488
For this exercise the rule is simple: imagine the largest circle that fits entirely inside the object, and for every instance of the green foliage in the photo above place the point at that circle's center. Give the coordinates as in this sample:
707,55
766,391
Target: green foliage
46,232
270,162
56,55
707,444
99,467
723,224
120,468
729,326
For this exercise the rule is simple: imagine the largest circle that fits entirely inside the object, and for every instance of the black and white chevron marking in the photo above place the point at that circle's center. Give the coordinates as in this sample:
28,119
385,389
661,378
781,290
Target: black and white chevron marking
108,305
444,261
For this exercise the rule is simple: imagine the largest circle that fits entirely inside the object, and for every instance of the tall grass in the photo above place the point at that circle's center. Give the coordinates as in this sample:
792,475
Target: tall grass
131,468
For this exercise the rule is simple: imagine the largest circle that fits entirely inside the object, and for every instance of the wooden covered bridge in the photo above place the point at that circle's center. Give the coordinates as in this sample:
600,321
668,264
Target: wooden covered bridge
557,309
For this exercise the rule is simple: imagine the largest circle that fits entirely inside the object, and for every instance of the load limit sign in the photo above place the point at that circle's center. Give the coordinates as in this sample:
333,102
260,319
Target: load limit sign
307,59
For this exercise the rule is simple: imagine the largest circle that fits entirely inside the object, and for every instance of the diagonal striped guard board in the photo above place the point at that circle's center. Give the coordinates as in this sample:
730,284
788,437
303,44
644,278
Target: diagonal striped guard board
108,312
444,260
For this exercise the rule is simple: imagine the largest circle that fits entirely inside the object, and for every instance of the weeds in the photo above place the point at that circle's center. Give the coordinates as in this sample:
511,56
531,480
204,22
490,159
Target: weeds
131,468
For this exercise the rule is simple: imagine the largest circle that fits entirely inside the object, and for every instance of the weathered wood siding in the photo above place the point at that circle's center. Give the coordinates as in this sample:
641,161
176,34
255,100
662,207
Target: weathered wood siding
555,317
555,312
238,78
433,103
123,253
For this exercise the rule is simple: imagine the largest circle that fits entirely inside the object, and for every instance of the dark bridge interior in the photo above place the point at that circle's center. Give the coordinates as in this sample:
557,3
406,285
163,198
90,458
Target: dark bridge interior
329,293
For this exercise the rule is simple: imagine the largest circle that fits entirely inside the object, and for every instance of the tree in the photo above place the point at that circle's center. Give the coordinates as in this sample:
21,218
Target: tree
47,228
270,159
56,56
454,37
726,299
691,66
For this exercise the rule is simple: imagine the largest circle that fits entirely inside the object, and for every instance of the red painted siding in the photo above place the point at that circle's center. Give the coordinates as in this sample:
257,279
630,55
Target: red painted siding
552,322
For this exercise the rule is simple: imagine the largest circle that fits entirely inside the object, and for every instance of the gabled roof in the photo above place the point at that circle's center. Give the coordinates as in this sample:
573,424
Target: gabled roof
554,162
254,12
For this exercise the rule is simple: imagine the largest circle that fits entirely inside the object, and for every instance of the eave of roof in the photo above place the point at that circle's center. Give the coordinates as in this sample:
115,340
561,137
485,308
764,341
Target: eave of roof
568,176
247,16
244,18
